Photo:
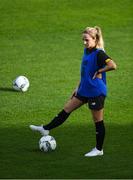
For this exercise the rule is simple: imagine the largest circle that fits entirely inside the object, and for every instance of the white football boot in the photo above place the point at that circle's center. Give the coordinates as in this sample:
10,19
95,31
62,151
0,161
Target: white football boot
94,152
39,129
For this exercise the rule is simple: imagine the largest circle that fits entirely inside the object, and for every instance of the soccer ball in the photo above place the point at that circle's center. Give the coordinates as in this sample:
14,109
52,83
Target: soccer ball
21,83
47,143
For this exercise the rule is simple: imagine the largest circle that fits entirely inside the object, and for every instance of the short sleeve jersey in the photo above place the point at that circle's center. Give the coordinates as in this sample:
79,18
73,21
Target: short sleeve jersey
102,58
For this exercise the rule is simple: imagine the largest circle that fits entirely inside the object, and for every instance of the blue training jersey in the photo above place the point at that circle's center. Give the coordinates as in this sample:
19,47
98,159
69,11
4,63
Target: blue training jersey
91,87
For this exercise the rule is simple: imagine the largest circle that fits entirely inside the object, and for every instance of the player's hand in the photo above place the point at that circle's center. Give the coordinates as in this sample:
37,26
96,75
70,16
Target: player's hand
97,75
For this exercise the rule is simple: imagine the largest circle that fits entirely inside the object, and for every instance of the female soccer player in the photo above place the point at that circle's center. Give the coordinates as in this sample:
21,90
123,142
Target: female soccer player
92,88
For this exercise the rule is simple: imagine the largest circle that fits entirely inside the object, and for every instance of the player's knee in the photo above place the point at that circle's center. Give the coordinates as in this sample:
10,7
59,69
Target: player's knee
67,109
97,120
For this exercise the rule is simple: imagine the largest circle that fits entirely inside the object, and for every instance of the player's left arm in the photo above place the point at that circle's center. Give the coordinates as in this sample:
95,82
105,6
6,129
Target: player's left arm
110,65
105,64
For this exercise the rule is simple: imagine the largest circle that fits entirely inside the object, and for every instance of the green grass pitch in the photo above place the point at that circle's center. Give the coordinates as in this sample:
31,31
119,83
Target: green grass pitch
41,39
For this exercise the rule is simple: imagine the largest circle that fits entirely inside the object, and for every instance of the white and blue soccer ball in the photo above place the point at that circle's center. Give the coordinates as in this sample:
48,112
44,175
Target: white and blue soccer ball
47,143
21,83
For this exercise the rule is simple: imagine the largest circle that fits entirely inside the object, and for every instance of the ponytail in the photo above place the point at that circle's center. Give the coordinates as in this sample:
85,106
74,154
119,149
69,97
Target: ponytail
99,38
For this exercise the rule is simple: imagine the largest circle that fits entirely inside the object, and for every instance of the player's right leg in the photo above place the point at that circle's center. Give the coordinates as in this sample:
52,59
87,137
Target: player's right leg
70,106
40,129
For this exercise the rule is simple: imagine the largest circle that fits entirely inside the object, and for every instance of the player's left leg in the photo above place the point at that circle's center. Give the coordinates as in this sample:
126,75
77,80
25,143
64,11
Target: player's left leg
97,110
100,128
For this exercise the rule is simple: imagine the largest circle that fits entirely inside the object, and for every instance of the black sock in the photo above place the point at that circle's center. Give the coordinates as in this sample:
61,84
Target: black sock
58,120
100,134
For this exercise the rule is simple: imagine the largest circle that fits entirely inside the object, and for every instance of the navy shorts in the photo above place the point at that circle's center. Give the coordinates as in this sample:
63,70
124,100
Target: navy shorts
94,103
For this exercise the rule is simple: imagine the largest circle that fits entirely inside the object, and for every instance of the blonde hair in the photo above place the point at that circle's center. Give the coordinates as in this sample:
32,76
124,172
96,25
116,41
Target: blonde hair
96,33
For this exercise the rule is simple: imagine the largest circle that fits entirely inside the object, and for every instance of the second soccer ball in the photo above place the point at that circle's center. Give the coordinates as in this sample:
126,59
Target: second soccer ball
21,83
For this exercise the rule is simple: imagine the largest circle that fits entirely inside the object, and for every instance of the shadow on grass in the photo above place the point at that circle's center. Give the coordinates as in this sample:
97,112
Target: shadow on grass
7,89
21,157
